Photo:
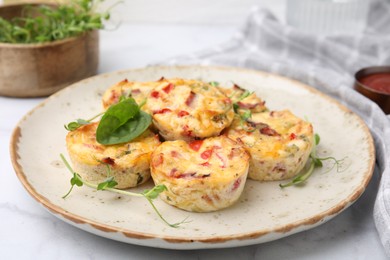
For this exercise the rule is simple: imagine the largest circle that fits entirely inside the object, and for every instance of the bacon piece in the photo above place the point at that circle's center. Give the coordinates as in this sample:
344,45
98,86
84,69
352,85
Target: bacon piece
292,136
223,160
186,131
238,87
206,154
236,184
135,91
175,154
183,113
279,167
168,88
247,105
114,97
108,160
207,199
162,111
173,172
185,175
195,145
158,160
269,131
155,94
207,164
190,98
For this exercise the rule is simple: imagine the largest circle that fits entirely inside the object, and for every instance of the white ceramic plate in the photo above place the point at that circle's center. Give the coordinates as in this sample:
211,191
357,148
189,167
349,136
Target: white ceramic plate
264,212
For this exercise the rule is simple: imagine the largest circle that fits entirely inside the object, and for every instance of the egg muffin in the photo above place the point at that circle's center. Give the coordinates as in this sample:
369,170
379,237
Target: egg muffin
128,163
202,175
278,142
189,109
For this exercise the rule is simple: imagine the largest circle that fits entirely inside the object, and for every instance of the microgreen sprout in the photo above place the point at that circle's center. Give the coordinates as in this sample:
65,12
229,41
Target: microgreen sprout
45,23
214,83
109,185
80,122
244,114
315,162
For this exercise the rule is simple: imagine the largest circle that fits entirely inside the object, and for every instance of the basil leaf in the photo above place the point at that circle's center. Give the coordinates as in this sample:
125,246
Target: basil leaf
128,131
116,116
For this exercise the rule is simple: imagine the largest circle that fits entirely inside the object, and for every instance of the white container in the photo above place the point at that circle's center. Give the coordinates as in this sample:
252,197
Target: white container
328,16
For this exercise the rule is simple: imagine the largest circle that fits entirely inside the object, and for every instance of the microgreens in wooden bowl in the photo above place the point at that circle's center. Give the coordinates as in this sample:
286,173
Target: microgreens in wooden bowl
58,44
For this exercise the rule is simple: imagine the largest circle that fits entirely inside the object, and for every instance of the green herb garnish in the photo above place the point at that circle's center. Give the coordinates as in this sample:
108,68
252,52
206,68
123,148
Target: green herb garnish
110,183
45,23
315,162
122,123
80,122
214,83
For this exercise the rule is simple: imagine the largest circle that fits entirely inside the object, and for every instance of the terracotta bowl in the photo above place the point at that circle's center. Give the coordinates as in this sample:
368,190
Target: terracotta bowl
32,70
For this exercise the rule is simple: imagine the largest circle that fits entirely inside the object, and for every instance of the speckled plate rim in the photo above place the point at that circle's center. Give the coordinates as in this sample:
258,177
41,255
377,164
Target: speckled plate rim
216,241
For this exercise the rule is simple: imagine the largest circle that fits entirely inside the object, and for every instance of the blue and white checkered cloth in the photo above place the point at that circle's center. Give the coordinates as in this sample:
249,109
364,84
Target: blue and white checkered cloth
327,63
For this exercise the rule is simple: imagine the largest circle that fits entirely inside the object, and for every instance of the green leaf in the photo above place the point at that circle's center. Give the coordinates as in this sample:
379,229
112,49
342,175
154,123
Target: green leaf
108,183
244,95
153,193
214,83
235,107
246,115
126,132
76,180
317,161
72,126
301,178
80,122
109,129
317,139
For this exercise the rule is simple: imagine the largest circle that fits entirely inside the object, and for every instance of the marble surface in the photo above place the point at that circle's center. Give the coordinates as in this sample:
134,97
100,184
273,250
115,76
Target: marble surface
28,231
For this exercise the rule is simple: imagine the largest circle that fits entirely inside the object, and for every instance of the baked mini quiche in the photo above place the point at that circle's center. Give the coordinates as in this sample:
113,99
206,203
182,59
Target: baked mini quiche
181,109
278,142
202,175
128,162
188,109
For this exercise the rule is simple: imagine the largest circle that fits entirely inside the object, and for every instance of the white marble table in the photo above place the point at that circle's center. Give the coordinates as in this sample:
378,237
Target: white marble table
28,231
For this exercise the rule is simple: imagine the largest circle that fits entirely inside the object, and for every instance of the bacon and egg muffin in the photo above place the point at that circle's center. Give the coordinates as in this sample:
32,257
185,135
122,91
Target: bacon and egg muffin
278,142
201,175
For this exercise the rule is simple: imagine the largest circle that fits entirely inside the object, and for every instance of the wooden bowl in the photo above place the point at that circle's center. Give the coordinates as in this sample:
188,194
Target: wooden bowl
32,70
381,97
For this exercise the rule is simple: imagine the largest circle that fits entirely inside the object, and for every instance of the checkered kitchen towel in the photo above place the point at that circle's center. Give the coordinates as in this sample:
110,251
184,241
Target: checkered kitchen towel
325,62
